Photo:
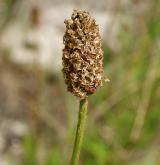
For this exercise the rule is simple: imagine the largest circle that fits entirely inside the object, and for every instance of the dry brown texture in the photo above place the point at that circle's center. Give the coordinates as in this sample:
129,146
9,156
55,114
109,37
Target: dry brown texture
82,55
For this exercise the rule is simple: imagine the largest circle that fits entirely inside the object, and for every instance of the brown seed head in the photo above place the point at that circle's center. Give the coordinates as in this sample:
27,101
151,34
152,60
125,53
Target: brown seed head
82,55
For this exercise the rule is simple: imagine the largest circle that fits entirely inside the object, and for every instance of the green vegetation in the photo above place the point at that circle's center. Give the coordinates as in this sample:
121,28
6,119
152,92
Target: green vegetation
123,126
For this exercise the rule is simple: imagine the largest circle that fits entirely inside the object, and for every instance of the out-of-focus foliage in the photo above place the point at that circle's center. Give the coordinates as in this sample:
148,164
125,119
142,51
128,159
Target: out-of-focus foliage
123,126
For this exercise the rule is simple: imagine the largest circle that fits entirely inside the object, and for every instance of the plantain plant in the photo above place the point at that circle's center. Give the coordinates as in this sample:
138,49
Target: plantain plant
82,66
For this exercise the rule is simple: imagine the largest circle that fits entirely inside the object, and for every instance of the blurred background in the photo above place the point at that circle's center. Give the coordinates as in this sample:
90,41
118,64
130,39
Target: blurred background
38,116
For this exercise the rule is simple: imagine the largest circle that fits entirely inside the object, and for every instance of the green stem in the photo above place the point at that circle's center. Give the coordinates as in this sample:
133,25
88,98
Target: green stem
80,131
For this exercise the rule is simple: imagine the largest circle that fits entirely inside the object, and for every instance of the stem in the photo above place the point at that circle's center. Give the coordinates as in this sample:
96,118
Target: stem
80,131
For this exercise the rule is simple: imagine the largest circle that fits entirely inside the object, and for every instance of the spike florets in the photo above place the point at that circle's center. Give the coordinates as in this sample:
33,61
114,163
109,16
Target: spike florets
82,55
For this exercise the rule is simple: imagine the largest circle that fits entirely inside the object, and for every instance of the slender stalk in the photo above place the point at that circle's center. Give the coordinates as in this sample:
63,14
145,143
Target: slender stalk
80,131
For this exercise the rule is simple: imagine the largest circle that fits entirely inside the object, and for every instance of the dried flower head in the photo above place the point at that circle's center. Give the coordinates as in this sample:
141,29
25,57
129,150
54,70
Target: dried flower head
82,55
